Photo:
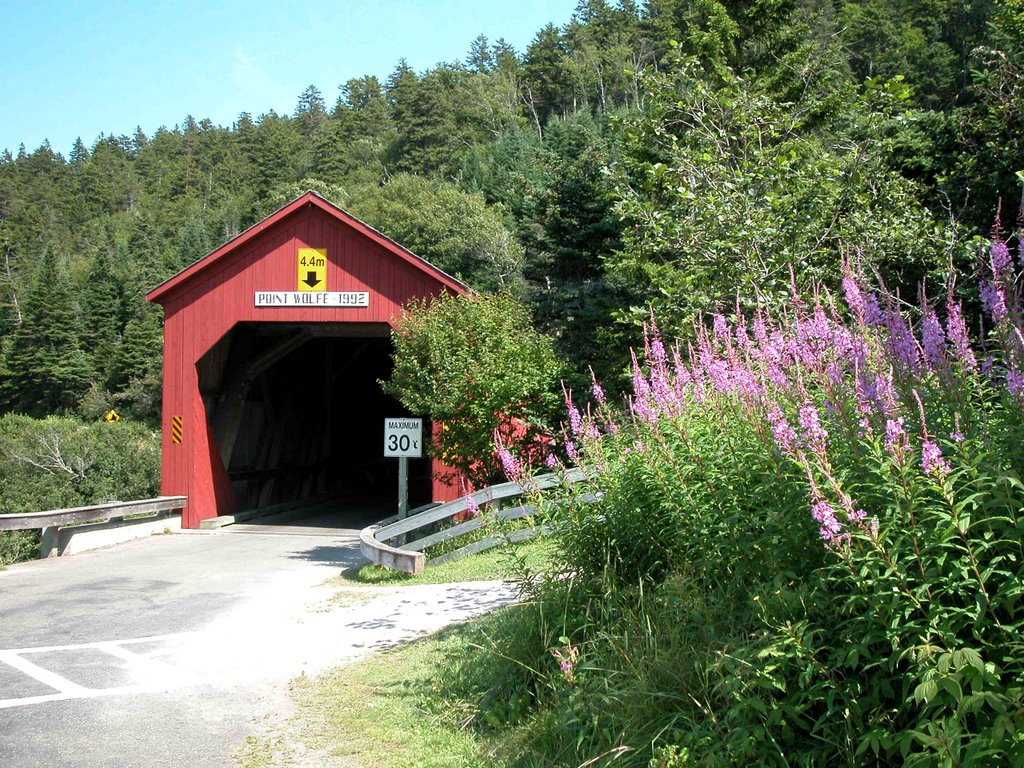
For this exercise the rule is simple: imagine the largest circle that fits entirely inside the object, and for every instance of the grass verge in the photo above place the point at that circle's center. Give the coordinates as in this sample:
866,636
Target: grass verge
382,713
498,563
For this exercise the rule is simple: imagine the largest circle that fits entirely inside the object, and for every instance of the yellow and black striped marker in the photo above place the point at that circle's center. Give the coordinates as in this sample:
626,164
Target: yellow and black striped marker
176,430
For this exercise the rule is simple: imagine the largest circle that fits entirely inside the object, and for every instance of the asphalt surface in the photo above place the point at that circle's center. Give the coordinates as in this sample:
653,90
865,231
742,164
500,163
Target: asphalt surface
169,651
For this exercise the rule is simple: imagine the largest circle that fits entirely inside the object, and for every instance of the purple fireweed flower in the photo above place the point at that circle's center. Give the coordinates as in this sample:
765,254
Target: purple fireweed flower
993,299
1015,382
999,253
718,374
746,383
854,297
814,435
957,437
551,461
510,464
742,334
830,529
654,348
896,439
640,403
956,331
575,419
933,340
471,506
721,327
571,452
902,343
932,461
760,327
863,303
598,393
782,432
886,398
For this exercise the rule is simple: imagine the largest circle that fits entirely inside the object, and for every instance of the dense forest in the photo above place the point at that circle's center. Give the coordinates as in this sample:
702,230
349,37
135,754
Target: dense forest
665,155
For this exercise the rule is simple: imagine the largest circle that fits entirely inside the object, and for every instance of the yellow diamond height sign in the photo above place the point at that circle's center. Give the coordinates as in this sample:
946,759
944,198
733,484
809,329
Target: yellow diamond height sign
311,269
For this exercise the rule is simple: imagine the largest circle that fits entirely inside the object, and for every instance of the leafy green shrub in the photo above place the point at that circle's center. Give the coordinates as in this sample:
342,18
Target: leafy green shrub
57,462
474,364
18,546
806,547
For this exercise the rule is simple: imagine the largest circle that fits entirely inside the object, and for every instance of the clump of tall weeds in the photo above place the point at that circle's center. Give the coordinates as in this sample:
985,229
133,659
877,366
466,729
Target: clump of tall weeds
803,544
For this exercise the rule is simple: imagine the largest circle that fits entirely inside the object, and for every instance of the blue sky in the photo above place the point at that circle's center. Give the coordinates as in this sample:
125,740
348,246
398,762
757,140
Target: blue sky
71,69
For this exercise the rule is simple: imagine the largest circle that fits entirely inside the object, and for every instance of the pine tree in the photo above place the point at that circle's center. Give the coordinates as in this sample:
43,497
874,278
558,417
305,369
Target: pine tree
46,370
79,152
102,299
138,357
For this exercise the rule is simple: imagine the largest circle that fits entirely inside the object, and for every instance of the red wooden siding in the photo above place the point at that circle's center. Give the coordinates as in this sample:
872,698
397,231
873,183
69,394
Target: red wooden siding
205,301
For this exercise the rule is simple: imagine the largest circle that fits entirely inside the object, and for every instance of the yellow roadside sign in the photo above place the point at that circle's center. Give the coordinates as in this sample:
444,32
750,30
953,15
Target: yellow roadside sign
111,416
311,269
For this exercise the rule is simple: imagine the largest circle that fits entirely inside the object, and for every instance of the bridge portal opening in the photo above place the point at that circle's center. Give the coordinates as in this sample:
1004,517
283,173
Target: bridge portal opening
297,415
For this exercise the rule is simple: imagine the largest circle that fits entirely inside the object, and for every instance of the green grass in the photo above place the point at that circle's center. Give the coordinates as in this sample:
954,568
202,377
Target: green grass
498,563
382,712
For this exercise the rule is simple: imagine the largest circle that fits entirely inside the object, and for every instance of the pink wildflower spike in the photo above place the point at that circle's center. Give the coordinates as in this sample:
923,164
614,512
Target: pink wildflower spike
783,434
571,452
999,255
510,464
933,340
902,343
471,506
993,300
932,461
575,419
721,327
1015,382
595,389
896,439
829,527
814,435
956,332
760,327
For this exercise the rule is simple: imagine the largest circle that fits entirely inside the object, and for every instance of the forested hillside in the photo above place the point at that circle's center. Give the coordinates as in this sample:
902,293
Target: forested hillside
671,153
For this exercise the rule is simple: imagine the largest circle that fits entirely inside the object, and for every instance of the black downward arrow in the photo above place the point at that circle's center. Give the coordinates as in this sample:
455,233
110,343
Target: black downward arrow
311,279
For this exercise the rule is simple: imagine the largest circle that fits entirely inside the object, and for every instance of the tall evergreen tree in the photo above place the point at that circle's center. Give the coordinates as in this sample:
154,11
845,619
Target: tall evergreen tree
46,370
102,299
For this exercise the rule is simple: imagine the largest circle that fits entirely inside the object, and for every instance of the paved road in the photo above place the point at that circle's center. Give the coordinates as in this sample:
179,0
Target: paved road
168,651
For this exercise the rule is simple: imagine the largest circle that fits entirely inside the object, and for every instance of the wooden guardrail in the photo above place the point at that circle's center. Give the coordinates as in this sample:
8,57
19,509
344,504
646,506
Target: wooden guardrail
409,556
51,521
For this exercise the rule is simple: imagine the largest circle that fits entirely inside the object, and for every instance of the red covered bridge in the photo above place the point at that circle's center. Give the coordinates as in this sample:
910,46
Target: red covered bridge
273,348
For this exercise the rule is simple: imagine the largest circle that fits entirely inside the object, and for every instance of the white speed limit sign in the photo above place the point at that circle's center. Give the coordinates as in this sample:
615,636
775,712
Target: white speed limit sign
403,437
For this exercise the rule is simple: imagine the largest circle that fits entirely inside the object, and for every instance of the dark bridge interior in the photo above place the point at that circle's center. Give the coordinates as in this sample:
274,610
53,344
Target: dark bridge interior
298,415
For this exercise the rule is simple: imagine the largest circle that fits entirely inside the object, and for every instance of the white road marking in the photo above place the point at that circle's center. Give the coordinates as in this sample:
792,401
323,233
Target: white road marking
98,644
44,676
269,635
154,674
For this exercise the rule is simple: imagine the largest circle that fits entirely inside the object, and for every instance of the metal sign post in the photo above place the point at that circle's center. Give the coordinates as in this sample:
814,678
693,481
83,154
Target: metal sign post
403,438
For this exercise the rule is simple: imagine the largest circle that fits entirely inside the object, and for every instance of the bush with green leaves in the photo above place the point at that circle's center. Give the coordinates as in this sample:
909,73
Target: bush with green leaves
475,365
725,190
57,463
806,543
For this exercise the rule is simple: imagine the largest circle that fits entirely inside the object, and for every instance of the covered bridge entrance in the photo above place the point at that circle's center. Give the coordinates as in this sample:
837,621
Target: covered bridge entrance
273,348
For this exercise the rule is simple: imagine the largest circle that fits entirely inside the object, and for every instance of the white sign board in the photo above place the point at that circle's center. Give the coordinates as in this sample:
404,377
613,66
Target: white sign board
312,299
403,437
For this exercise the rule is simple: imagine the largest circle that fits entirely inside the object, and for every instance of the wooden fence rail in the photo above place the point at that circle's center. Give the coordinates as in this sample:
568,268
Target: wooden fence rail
375,540
51,521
